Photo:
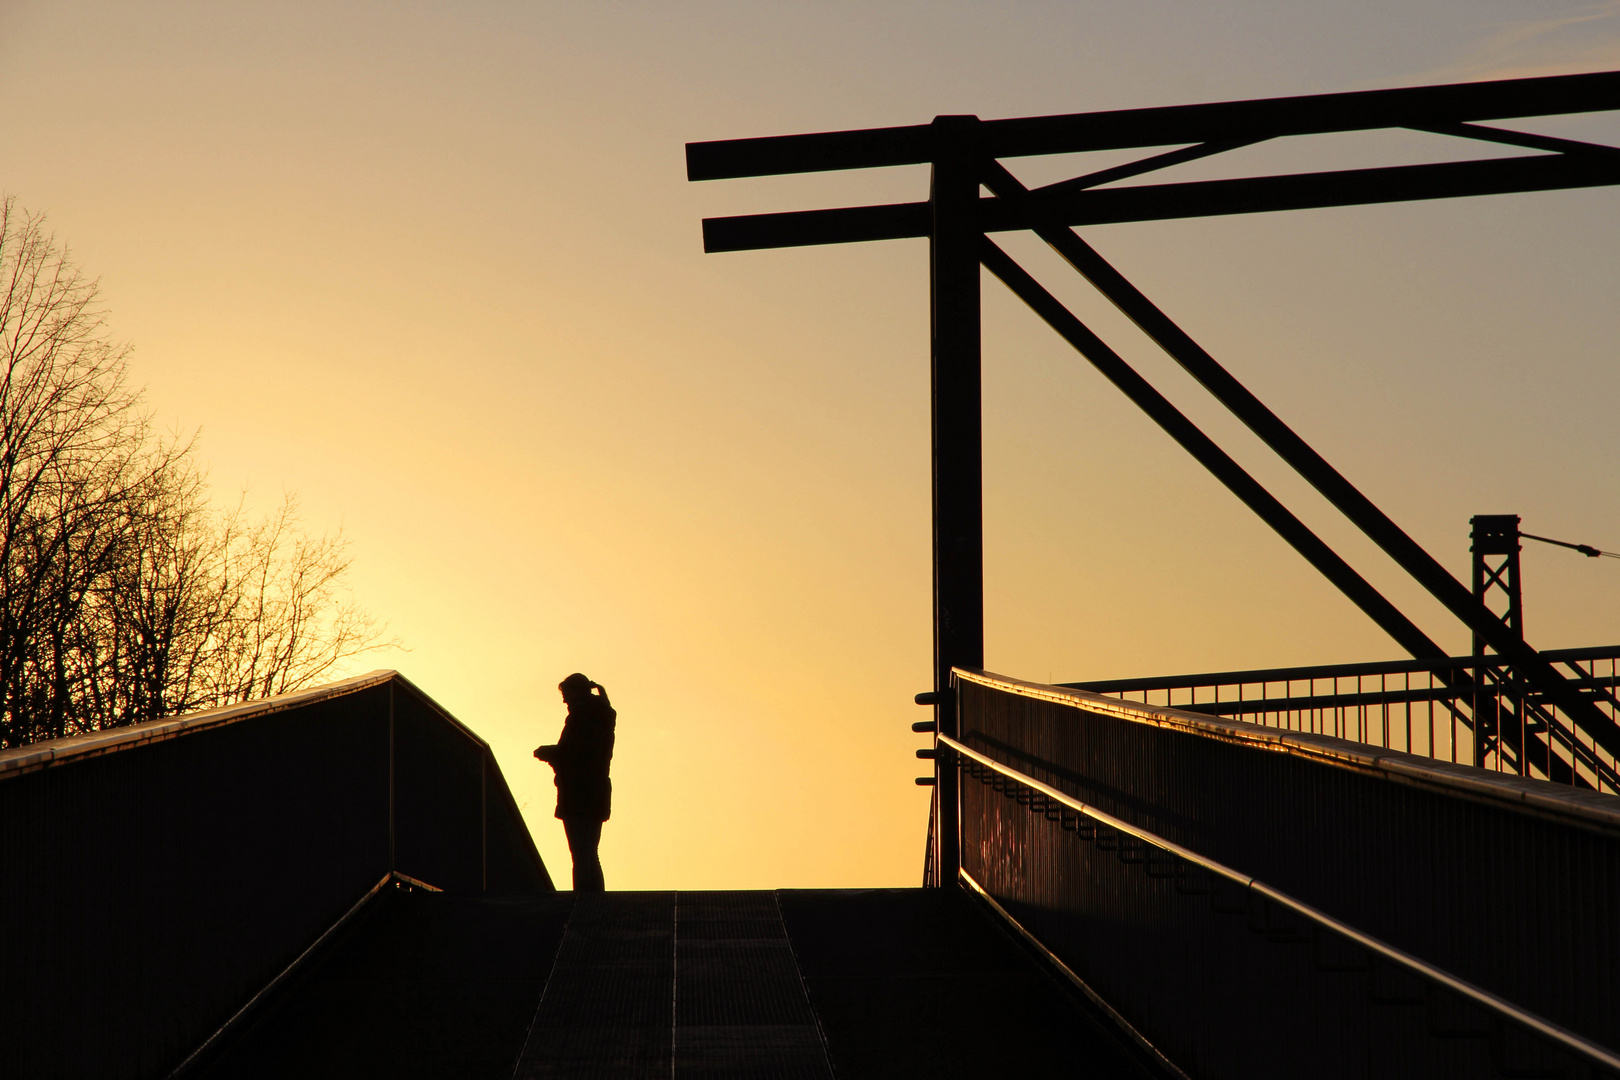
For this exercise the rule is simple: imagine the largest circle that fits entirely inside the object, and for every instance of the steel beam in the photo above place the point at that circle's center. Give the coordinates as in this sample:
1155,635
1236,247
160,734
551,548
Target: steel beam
958,468
955,220
1208,454
1181,124
803,228
1061,206
1308,191
1287,444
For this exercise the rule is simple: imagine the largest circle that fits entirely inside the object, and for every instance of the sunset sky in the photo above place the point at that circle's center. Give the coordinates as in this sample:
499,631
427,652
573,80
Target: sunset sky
437,269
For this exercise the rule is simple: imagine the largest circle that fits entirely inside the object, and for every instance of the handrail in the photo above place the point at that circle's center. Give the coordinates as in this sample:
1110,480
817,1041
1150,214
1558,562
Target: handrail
31,756
1518,728
282,977
1568,1039
393,877
38,755
1326,671
1589,808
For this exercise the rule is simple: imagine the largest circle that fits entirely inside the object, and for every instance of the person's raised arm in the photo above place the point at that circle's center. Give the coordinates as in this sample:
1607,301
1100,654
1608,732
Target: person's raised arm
602,690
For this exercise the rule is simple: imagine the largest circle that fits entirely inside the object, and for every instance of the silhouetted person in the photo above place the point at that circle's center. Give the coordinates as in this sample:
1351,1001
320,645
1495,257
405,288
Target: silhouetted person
580,758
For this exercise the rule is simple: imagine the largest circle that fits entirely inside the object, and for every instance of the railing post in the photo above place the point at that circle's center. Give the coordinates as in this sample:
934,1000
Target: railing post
957,451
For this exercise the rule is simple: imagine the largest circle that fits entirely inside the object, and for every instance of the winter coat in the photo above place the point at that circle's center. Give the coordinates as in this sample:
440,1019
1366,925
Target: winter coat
581,759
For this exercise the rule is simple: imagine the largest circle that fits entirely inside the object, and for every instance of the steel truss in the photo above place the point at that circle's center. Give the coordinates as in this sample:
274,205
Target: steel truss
964,153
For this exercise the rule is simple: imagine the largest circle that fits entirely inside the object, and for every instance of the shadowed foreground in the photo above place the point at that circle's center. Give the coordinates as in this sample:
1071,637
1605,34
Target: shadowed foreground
873,983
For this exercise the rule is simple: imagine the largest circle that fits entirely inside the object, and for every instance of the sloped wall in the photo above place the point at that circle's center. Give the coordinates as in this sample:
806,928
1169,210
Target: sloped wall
152,879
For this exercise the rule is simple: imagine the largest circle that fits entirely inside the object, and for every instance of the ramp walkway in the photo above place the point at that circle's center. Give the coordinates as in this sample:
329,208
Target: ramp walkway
791,984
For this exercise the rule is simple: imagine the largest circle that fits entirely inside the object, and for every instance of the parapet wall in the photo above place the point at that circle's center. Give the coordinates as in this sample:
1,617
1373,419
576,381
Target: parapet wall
1509,884
154,878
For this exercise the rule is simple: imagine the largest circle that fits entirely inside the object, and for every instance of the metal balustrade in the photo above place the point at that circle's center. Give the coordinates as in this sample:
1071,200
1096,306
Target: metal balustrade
1423,707
1253,901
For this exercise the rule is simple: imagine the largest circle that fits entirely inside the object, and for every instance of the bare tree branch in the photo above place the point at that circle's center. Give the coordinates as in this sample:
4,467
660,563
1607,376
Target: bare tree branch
124,596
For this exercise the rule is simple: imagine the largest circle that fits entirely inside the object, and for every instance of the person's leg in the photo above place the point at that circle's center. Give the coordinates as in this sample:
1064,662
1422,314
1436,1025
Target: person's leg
576,847
584,836
596,882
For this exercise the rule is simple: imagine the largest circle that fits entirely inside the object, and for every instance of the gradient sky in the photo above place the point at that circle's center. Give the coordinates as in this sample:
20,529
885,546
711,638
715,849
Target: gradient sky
437,269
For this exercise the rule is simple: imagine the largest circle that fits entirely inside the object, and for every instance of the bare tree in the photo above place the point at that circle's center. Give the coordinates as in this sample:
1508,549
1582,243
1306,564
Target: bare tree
145,635
123,595
67,424
277,616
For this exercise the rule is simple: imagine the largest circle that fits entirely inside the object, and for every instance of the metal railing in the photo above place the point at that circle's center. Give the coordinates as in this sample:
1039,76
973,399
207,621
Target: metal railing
155,879
1090,823
1424,707
1260,902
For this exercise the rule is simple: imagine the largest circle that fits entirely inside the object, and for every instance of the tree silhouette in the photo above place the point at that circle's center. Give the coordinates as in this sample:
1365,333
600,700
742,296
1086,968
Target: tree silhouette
124,595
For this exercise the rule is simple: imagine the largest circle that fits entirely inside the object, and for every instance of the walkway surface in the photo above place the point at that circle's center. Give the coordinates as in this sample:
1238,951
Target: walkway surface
811,984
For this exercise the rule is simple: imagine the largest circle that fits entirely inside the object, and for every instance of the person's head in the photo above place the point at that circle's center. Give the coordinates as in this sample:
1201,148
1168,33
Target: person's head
575,689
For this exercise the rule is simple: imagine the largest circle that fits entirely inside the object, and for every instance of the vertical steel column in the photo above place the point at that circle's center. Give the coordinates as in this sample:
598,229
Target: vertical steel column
1496,569
957,452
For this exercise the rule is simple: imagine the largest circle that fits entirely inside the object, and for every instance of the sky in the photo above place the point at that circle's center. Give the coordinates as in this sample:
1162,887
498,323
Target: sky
437,269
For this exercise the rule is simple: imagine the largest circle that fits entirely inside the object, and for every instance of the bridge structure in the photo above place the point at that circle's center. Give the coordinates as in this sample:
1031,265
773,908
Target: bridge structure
1407,868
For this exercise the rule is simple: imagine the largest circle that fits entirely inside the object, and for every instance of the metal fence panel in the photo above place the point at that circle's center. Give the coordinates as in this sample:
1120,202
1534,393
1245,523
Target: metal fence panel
1461,709
1518,902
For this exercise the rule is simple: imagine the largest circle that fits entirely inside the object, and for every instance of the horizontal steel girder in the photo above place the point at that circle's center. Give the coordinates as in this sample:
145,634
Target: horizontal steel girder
1158,202
1227,121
